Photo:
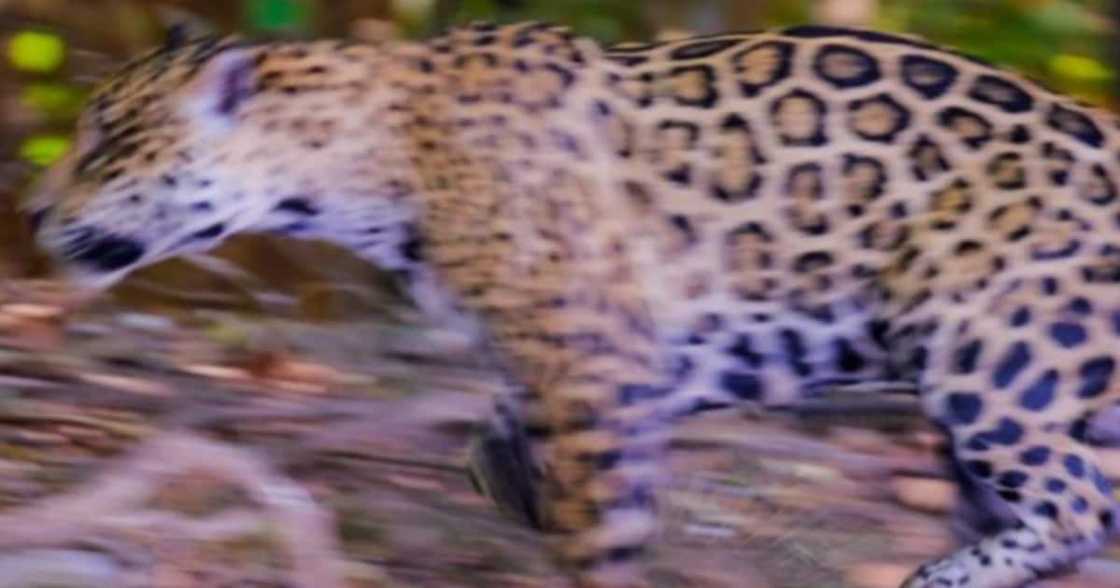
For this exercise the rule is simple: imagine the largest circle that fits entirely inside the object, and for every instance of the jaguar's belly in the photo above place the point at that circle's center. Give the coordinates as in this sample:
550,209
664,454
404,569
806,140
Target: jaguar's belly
774,358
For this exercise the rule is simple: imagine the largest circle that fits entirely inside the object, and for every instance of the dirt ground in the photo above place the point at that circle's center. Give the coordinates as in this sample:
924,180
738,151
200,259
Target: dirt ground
220,448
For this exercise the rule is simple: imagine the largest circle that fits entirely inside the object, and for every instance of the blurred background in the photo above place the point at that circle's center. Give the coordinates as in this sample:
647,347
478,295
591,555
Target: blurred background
291,367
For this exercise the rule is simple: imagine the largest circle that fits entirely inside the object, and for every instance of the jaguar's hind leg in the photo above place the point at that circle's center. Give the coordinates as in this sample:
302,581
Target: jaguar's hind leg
1063,504
1015,398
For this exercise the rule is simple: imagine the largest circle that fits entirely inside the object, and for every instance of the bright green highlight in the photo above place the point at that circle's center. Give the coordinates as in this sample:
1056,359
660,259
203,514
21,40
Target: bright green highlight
36,51
273,15
43,150
413,11
54,100
1080,68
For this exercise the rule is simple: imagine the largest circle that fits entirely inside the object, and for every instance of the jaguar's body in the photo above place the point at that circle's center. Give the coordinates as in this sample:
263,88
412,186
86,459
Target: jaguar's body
641,232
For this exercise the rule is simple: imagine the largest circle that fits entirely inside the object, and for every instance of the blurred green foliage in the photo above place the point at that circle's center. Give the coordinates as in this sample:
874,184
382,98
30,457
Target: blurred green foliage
1063,43
278,15
1066,44
36,51
55,100
42,150
607,20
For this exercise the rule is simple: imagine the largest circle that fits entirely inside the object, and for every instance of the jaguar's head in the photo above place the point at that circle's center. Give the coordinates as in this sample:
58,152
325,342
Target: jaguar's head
193,143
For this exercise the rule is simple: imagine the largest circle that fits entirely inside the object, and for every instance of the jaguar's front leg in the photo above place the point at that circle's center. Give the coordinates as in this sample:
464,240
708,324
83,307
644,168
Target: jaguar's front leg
509,455
590,372
600,465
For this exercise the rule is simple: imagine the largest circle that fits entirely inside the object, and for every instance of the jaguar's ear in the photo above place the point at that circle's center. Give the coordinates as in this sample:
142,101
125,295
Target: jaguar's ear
220,89
180,27
177,36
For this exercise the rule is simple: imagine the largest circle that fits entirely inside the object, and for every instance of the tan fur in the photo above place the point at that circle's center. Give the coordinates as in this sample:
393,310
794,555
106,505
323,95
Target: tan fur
641,232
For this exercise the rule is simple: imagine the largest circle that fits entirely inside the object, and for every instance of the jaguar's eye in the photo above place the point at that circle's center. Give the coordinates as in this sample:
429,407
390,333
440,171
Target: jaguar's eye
36,218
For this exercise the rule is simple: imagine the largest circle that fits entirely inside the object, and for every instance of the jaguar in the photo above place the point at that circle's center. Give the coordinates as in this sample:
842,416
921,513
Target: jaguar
641,232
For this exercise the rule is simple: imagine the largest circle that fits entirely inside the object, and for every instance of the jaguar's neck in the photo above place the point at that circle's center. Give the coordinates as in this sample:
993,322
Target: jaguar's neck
362,187
427,155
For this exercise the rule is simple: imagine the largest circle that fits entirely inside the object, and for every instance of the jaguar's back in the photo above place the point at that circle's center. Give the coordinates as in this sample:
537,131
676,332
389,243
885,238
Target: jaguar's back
811,187
644,231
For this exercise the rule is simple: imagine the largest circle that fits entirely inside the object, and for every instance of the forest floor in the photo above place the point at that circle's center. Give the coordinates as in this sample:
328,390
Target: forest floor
216,449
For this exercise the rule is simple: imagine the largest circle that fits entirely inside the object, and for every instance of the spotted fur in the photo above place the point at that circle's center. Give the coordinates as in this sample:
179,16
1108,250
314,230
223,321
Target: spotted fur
641,232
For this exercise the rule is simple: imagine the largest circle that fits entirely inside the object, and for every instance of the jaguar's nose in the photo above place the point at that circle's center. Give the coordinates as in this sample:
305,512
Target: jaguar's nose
102,252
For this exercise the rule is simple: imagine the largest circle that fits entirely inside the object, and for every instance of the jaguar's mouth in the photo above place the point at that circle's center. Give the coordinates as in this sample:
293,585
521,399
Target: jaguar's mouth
100,252
110,253
91,259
